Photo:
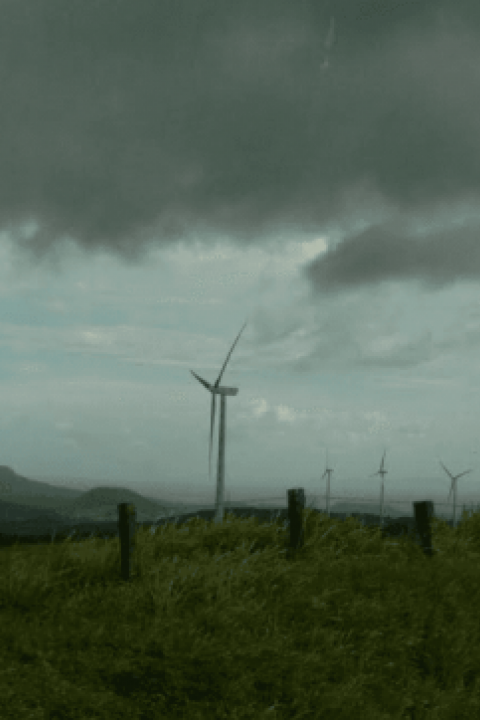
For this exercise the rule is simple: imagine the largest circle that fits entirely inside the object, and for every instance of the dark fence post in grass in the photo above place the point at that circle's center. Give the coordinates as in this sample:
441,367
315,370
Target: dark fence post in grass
126,527
423,513
296,506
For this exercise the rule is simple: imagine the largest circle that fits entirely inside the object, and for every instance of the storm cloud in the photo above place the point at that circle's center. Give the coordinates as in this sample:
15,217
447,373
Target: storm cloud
132,125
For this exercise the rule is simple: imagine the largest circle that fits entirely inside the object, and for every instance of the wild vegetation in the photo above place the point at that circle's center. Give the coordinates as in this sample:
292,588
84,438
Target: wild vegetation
220,621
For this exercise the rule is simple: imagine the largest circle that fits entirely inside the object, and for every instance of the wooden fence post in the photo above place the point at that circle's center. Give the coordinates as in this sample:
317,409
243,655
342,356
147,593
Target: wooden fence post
296,505
423,513
126,527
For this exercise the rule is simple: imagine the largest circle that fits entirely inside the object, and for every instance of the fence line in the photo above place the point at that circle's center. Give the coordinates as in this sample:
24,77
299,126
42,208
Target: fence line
423,513
227,503
346,498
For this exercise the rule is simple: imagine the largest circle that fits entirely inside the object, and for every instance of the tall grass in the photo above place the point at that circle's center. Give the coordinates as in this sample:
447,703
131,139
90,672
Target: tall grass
218,623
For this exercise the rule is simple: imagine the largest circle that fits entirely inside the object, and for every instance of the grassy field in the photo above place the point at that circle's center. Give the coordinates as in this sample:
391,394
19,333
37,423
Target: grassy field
218,622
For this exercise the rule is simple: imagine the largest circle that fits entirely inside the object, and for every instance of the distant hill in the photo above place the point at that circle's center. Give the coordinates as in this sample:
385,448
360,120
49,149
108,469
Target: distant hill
62,484
42,497
12,484
102,502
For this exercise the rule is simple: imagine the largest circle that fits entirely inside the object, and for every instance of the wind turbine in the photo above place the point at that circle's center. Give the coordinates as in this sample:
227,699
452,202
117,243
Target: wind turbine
223,392
328,471
453,487
329,40
381,472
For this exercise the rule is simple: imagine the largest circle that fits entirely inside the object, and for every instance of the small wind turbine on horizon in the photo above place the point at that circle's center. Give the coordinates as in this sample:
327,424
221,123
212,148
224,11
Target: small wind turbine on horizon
216,389
329,40
453,487
328,472
381,472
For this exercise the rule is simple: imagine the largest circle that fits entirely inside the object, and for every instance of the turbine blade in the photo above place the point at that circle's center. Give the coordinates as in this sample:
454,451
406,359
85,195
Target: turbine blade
201,380
447,471
228,357
212,423
461,474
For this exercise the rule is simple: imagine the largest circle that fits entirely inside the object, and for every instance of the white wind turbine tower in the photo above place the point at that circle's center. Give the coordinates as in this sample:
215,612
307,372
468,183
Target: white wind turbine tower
328,471
223,392
381,472
453,487
329,40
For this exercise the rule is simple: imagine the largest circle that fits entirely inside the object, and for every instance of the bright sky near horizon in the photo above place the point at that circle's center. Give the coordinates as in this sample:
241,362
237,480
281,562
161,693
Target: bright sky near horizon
170,170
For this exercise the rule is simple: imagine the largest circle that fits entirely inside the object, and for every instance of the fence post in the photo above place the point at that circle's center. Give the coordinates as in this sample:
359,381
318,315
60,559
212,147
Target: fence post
423,513
296,506
126,527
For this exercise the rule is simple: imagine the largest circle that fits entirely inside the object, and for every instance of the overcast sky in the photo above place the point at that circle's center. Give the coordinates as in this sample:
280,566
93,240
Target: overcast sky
172,169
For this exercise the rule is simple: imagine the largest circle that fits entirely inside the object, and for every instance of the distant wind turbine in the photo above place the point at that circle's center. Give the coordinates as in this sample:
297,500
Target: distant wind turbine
328,471
381,472
453,487
329,41
223,392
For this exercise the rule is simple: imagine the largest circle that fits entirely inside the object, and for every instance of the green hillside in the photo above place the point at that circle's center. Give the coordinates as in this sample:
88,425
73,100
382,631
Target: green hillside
104,501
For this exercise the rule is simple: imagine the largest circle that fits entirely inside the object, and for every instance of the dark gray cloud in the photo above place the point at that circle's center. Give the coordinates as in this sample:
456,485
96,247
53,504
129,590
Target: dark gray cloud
128,125
392,252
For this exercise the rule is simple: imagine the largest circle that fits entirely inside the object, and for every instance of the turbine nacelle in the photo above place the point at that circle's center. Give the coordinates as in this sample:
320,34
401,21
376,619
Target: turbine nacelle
327,469
215,390
382,470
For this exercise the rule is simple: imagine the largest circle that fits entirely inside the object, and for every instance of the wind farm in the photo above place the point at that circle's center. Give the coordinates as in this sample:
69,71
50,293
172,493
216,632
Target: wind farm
304,170
382,472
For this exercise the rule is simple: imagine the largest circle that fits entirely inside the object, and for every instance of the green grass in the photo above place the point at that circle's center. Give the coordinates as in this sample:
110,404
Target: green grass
219,623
